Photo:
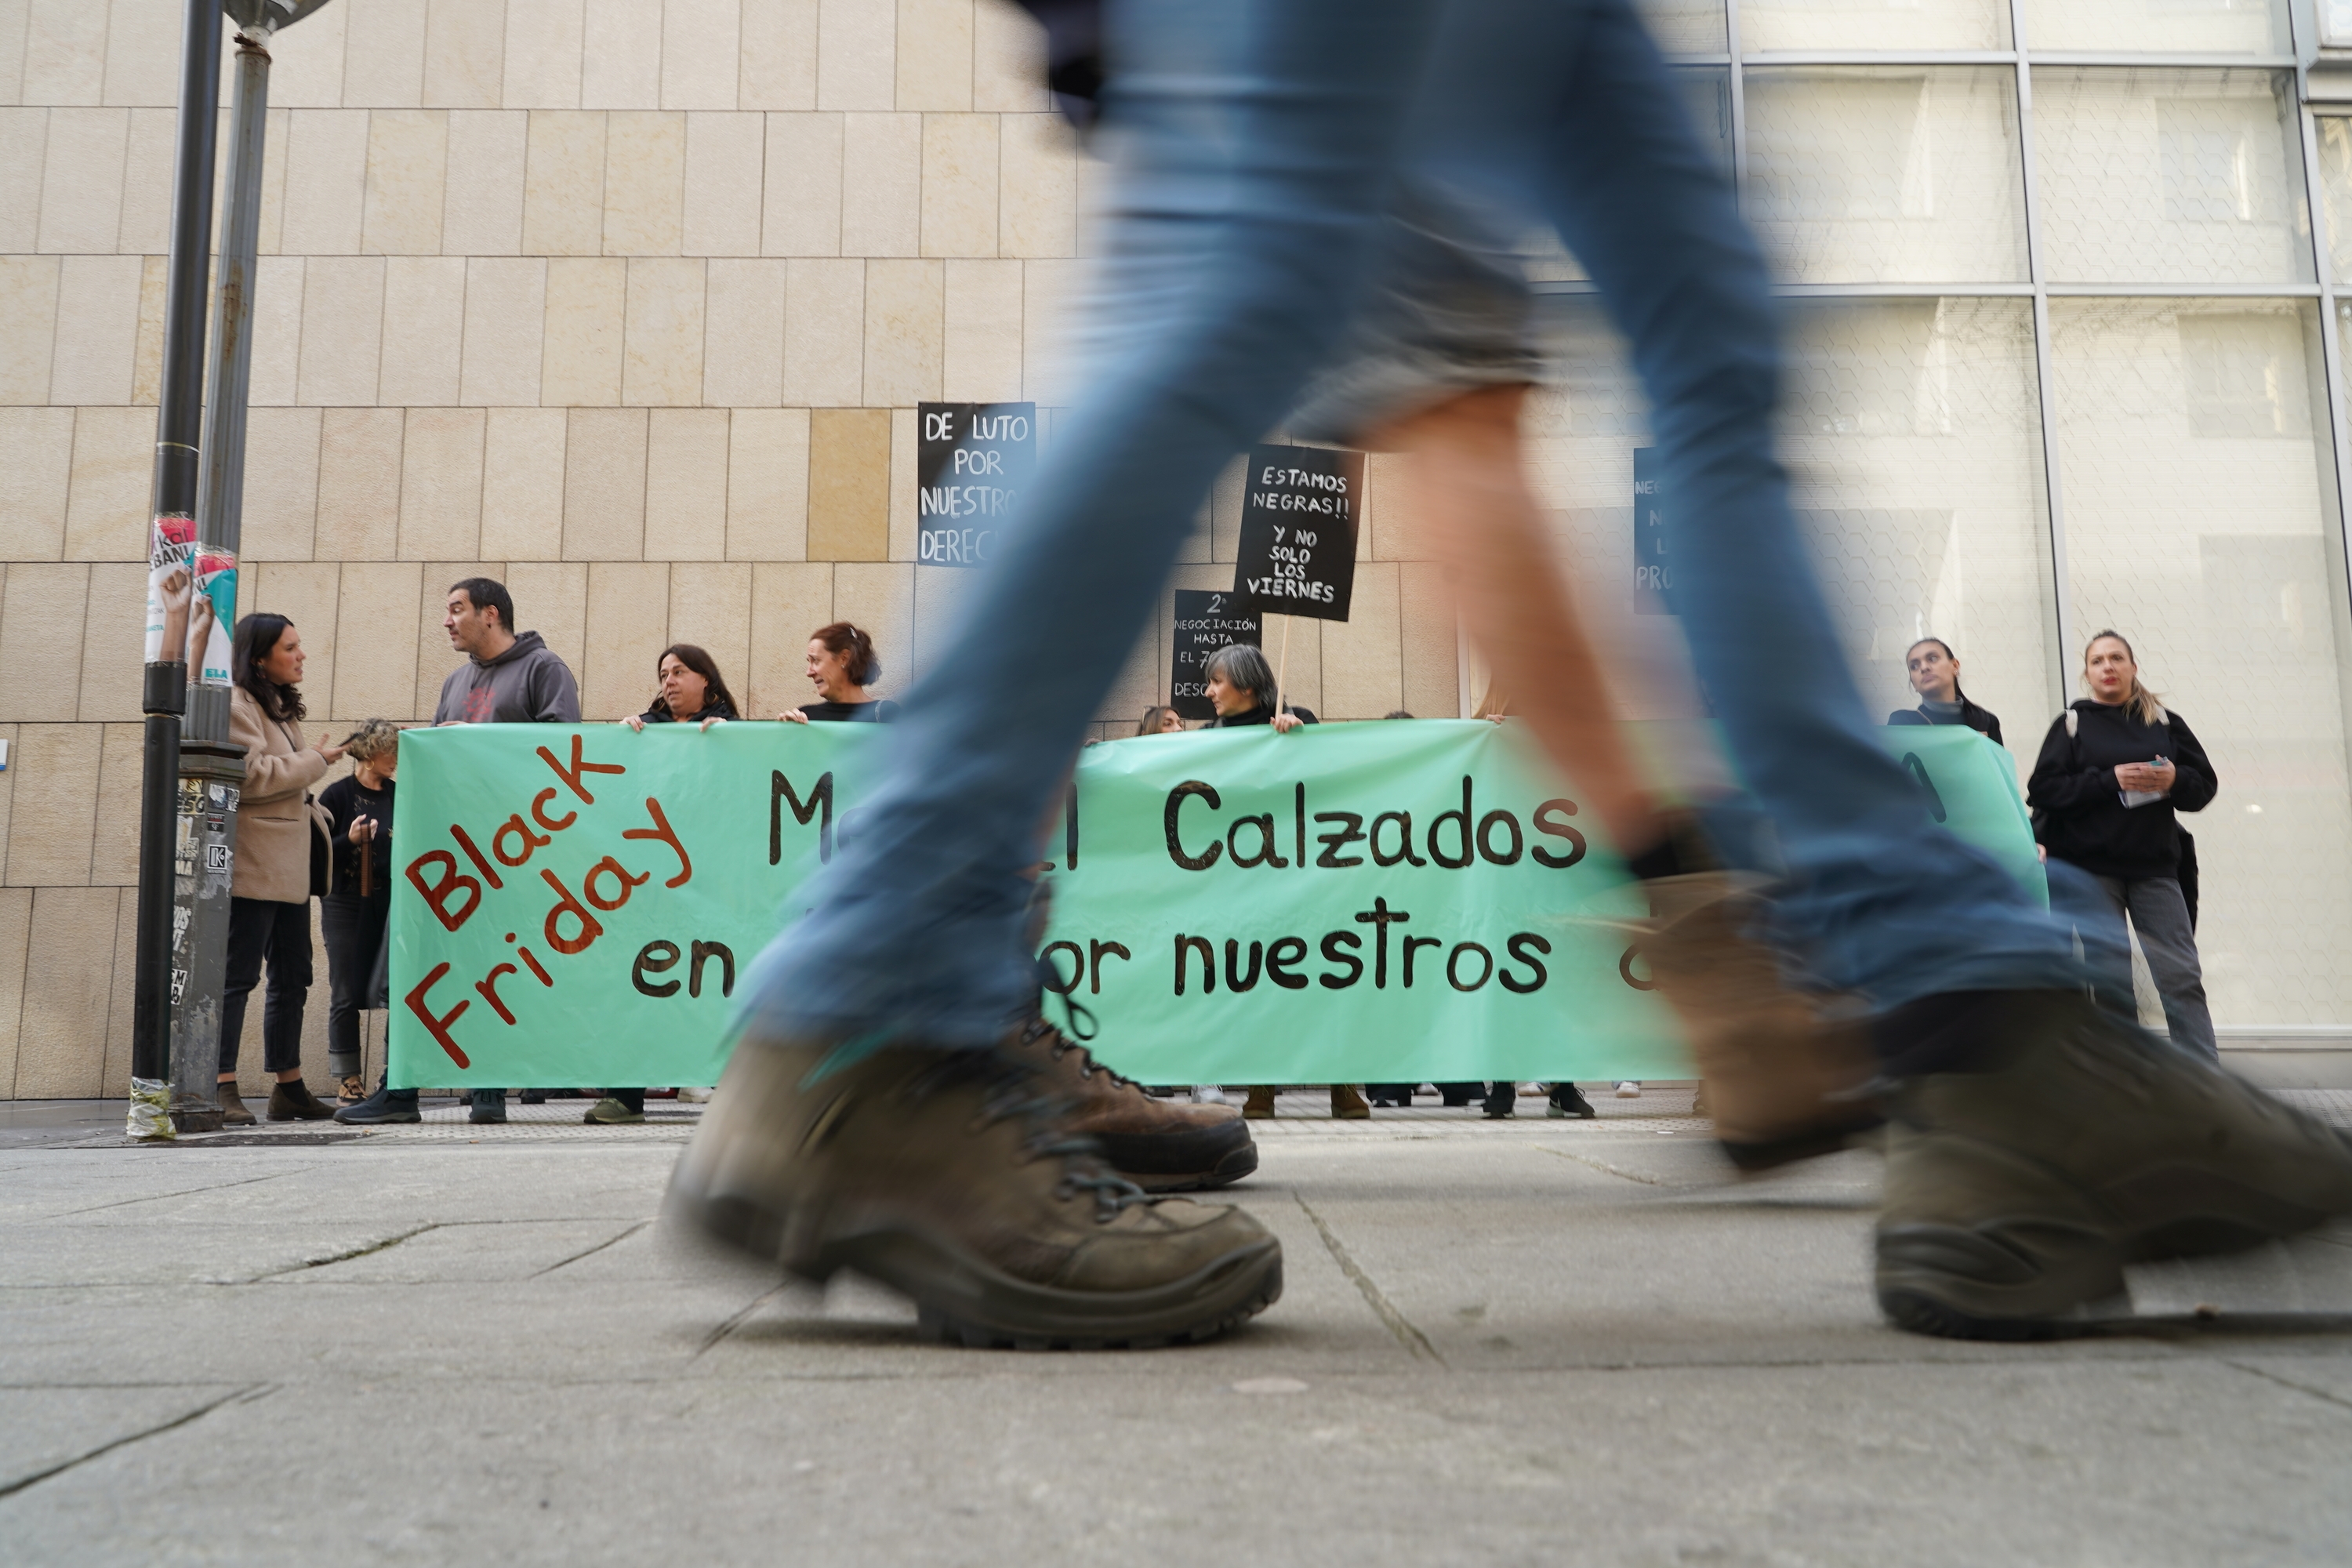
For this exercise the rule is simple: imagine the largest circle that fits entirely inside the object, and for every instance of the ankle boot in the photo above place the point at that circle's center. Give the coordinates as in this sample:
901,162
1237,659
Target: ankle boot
231,1104
295,1102
952,1177
1259,1106
1161,1145
1348,1105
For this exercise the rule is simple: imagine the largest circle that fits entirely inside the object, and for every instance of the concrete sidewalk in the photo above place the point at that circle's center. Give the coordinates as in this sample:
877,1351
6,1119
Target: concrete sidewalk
1531,1342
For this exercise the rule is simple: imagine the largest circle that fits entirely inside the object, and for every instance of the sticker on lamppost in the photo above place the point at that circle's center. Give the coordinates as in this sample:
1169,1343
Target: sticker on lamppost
1654,573
973,461
191,600
1298,552
1206,620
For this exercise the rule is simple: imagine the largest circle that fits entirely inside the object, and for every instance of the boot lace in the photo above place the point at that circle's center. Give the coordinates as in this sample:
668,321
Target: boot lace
1013,1090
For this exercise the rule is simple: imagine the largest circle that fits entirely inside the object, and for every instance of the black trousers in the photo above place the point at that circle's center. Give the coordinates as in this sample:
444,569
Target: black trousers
354,929
259,929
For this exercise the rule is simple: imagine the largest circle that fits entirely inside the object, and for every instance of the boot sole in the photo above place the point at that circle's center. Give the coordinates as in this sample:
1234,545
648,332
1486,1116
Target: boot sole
1755,1155
378,1121
961,1300
1960,1284
1236,1164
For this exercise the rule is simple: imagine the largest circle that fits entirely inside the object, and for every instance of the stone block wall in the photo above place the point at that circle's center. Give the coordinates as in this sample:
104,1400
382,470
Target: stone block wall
627,306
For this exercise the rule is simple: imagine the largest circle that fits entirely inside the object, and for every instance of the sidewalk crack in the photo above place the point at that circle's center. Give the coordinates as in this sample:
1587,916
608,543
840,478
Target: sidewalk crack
345,1256
2338,1400
12,1488
1606,1169
182,1193
731,1324
1415,1342
608,1241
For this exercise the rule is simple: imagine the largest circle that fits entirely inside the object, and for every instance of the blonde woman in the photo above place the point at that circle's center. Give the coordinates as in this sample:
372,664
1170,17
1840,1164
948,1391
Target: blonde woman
2114,770
356,909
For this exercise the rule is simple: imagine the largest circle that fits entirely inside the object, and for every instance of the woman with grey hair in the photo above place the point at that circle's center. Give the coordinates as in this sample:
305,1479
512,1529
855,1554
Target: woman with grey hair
1242,689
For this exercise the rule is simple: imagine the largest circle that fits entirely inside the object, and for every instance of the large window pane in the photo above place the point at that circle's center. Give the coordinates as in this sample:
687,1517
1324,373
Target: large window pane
2171,176
1878,175
2159,26
1872,25
1685,26
2197,474
1913,431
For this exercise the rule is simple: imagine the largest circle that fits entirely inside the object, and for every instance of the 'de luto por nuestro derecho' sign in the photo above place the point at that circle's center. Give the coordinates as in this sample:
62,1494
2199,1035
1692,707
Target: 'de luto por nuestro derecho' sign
1348,902
973,461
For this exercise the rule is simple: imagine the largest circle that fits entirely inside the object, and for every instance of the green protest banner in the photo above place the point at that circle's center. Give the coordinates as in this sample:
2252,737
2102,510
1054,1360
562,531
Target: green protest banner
1351,902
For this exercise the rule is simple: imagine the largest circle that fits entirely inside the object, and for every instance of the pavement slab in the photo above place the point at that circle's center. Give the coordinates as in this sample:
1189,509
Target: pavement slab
1533,1340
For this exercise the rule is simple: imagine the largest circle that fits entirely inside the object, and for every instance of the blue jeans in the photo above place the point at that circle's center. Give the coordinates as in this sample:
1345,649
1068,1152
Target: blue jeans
1258,139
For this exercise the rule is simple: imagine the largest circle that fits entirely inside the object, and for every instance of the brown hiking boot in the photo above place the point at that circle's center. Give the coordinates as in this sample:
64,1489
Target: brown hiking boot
1161,1145
953,1177
231,1104
1781,1081
1347,1105
1259,1106
2017,1190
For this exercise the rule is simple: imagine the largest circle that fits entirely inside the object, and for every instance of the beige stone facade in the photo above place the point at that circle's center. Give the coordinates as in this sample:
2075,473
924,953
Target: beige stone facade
628,306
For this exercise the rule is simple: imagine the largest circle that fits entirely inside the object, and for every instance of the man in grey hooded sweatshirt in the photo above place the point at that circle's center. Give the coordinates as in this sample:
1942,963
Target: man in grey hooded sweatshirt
507,679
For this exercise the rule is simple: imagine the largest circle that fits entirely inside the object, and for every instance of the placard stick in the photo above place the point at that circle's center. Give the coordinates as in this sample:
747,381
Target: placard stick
1282,669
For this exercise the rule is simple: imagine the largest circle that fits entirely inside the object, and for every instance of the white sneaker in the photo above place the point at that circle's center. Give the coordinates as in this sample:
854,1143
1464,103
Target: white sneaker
695,1096
1629,1089
1209,1094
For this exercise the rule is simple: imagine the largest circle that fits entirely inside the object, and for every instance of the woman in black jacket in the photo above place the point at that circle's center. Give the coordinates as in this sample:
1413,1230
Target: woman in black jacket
357,907
2114,770
1936,676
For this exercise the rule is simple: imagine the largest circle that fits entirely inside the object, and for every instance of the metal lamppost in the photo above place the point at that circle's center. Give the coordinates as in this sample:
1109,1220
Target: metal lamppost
188,789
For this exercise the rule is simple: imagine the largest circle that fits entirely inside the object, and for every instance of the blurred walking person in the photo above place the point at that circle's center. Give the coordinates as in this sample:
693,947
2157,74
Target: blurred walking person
2115,771
355,911
278,830
873,1119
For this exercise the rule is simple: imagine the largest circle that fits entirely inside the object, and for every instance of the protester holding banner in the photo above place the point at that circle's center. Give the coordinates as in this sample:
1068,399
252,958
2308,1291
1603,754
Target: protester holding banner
1161,719
871,1118
356,908
1936,676
2114,769
508,678
280,831
692,691
842,664
1242,686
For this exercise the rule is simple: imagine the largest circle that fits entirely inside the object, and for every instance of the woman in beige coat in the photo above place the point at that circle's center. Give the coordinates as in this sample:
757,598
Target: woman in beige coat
269,898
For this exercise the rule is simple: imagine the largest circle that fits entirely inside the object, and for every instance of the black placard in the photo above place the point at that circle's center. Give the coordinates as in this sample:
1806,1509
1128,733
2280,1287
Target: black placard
1206,620
1298,531
973,461
1654,573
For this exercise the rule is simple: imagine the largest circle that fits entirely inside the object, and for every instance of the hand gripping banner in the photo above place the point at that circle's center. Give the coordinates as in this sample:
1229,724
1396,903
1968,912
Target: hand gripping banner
1379,902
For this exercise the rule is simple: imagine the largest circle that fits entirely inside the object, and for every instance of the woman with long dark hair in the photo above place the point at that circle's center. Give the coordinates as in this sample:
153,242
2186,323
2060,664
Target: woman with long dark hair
269,895
1934,673
1161,719
2113,771
691,691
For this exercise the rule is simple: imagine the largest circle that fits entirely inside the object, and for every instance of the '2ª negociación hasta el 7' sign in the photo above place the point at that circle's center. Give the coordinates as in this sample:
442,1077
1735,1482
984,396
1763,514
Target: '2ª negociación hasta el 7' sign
973,461
1297,553
1206,620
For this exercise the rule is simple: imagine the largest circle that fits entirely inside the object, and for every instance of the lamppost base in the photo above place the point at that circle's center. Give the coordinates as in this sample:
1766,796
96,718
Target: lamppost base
197,1117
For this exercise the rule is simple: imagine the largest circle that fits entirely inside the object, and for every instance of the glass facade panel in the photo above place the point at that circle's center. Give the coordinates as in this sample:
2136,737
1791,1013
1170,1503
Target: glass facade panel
2159,176
1705,93
1884,174
2335,139
1913,432
2198,476
1872,25
2159,26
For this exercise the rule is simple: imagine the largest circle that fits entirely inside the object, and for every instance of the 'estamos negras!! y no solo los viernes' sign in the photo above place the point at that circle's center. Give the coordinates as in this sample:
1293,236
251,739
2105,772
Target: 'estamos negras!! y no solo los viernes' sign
1298,550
